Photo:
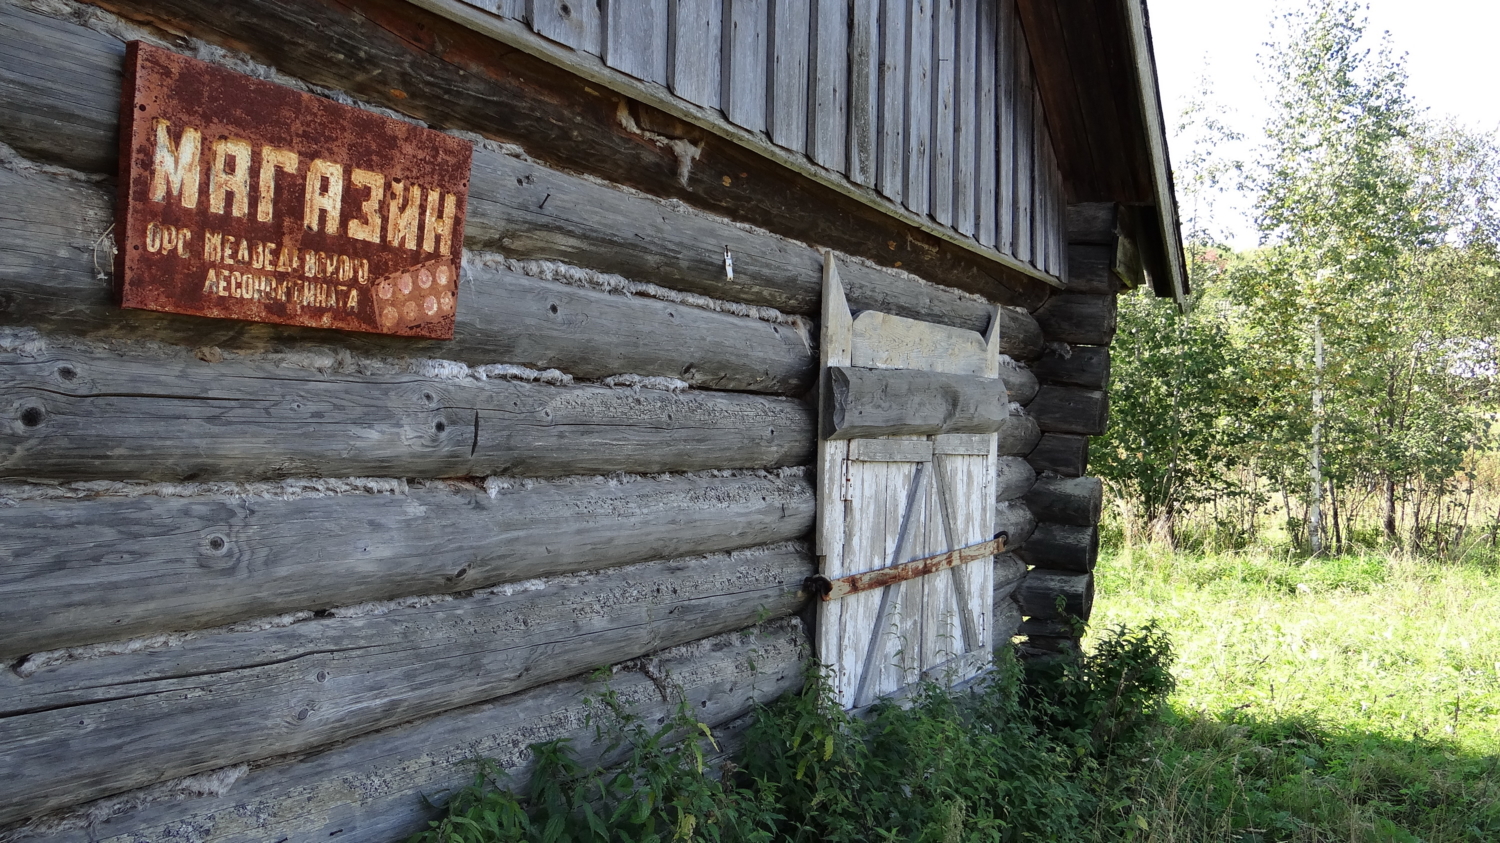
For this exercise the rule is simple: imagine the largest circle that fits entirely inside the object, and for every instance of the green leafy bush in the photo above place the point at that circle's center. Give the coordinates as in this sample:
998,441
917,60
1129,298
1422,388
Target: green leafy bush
1021,755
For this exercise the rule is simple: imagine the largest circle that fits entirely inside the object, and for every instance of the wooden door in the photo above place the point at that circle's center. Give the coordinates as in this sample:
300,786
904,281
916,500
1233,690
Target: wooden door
905,522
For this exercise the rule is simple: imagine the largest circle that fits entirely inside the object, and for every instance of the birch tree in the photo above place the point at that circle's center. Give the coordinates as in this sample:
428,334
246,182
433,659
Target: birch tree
1337,198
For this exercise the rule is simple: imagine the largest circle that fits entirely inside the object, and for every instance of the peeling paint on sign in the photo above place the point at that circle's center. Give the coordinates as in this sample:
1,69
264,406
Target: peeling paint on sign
243,199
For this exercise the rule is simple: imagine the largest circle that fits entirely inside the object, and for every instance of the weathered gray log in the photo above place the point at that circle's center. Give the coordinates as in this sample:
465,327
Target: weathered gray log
1093,222
1063,547
1060,453
1018,435
1051,649
1009,571
50,278
1020,382
1091,269
1081,365
1016,521
370,789
1013,478
1039,593
1007,619
1078,319
62,106
76,572
1070,409
59,90
530,211
1053,628
1020,336
862,403
1067,500
69,414
236,697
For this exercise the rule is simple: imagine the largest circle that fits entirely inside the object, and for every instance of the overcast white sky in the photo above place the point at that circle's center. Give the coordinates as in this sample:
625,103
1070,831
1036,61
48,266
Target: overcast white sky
1450,48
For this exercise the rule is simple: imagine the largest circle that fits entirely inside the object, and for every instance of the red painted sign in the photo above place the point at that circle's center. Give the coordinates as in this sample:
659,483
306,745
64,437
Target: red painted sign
243,199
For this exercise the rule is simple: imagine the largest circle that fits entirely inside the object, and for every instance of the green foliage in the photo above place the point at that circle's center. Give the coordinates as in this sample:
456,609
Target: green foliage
1020,756
1343,698
1356,348
1172,434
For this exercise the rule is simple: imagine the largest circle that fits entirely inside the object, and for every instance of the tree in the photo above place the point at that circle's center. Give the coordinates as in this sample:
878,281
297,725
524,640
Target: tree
1337,195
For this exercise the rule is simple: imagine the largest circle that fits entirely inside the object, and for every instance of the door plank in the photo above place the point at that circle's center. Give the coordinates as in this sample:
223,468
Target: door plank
910,524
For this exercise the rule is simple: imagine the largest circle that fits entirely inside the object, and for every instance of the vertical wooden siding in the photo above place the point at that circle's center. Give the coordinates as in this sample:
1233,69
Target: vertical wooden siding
930,102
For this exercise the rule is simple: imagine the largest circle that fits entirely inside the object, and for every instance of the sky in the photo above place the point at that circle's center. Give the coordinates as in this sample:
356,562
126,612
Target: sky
1447,43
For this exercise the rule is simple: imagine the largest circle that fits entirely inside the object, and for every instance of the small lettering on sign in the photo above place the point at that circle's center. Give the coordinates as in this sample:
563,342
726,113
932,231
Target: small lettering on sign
243,199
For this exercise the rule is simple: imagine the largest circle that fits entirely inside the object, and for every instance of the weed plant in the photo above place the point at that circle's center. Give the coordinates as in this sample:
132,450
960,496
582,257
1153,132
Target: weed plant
1023,755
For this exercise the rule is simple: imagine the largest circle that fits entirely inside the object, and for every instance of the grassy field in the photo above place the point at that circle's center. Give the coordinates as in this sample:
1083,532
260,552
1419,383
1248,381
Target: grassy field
1346,699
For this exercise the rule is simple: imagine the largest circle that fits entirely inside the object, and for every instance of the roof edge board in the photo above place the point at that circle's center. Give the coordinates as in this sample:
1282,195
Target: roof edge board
1161,165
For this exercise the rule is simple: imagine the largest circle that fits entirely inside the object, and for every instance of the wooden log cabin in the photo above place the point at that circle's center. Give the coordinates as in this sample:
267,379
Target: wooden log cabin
782,327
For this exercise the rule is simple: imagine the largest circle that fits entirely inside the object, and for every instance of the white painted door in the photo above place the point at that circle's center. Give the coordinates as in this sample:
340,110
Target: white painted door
884,502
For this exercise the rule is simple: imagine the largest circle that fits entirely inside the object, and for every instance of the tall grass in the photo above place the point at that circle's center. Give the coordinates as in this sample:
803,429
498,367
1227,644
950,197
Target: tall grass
1353,698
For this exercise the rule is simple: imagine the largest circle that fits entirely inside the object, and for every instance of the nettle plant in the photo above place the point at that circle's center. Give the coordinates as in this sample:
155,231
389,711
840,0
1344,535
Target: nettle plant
1024,754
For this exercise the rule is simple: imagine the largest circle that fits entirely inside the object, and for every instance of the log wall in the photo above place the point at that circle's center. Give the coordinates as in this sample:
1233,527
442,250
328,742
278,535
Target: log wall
271,582
1071,405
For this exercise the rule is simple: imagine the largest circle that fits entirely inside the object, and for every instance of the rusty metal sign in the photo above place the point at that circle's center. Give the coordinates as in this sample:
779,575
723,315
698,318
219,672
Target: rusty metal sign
827,589
243,199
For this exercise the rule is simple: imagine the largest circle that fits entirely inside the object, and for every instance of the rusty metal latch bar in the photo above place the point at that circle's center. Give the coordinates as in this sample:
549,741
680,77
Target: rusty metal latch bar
827,589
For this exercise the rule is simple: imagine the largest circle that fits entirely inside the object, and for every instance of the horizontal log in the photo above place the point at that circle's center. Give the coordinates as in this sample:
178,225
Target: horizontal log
1079,365
70,414
1020,382
1063,547
243,696
1016,521
529,211
1019,334
78,572
1070,409
1078,319
1060,453
1056,628
1013,478
1007,620
1038,595
1091,269
1009,571
52,277
59,104
862,403
367,790
1067,500
1093,222
1045,649
1018,435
